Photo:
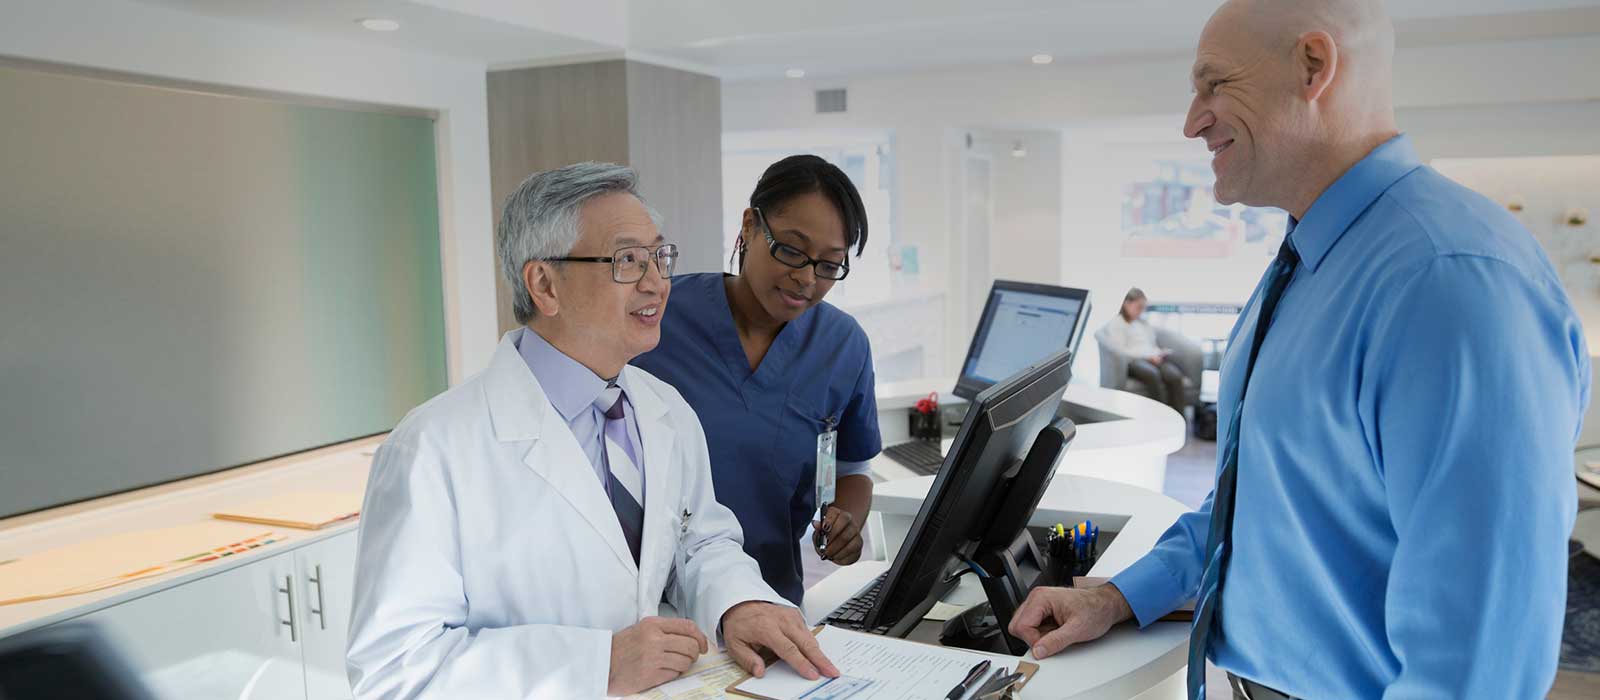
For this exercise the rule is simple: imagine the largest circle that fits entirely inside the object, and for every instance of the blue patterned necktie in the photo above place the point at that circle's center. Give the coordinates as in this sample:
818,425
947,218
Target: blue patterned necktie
1205,619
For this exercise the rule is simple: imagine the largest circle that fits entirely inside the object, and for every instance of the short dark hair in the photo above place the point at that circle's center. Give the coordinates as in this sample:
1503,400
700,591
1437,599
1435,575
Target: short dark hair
804,174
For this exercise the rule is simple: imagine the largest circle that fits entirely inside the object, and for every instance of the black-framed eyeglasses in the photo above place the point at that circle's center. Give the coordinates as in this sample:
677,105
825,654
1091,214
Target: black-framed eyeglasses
791,256
628,265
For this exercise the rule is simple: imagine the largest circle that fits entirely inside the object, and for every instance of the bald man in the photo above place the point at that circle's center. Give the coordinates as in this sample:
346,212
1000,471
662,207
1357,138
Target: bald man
1399,400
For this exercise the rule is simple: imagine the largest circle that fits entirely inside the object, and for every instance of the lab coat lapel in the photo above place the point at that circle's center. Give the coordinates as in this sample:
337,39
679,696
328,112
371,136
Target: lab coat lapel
659,538
520,411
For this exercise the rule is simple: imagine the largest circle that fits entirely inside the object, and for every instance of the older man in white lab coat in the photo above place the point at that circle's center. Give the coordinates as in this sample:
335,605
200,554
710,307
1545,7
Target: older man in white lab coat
522,529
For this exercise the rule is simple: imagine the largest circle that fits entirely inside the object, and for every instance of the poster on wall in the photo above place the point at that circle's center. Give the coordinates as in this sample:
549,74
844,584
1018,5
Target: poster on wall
1173,213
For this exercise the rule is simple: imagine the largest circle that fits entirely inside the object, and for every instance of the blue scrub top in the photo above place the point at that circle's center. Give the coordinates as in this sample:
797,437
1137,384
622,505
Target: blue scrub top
761,427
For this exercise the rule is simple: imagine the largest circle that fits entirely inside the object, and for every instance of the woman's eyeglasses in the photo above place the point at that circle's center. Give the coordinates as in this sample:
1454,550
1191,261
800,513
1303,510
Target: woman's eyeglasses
791,256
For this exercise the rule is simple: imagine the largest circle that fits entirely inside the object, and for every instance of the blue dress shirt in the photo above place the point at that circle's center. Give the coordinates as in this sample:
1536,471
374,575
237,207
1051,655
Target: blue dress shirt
762,426
572,389
1405,487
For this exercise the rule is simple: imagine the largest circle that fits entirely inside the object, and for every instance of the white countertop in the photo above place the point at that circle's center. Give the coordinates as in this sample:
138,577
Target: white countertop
1147,424
1132,450
1127,661
337,468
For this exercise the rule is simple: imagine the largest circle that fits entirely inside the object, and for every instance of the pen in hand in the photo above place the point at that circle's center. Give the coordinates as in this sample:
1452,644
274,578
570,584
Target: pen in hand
822,531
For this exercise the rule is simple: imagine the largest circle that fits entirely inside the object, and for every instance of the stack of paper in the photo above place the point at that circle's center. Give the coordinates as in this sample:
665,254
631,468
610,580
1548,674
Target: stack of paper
875,668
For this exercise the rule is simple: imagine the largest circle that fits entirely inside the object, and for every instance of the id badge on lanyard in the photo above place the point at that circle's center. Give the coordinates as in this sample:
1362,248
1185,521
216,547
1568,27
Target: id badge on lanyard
827,472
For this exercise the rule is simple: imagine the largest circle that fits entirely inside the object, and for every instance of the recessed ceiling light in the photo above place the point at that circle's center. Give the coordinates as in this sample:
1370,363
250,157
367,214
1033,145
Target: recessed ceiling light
1042,59
380,25
795,72
1018,151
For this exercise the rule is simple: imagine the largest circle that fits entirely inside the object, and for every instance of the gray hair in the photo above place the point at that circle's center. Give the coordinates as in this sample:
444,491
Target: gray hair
540,219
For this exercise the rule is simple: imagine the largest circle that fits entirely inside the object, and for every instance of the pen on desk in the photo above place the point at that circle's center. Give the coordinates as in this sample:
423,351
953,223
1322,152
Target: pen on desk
960,690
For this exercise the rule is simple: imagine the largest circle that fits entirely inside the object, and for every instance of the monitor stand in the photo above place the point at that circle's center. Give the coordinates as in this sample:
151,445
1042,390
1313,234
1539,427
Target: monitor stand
1006,553
1013,572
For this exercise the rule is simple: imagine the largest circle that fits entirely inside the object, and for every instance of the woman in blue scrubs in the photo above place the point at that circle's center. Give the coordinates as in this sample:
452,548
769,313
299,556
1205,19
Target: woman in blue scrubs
769,367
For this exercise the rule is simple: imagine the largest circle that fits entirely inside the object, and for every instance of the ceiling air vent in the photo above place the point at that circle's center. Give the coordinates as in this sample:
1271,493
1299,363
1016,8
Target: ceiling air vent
829,101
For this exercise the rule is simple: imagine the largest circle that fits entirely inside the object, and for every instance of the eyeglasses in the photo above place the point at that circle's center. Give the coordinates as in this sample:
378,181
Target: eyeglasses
628,265
793,257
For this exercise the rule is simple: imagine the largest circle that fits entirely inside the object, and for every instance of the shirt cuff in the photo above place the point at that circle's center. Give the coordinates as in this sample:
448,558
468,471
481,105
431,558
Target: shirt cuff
1150,588
843,468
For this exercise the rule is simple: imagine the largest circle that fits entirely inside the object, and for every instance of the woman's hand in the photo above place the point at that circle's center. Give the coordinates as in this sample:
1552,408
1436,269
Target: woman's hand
844,537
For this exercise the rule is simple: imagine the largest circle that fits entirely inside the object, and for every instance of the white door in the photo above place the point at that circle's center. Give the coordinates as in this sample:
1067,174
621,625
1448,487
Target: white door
231,635
326,576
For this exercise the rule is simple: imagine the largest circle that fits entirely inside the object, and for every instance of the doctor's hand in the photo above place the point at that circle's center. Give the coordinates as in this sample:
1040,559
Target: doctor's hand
844,537
755,626
652,652
1051,619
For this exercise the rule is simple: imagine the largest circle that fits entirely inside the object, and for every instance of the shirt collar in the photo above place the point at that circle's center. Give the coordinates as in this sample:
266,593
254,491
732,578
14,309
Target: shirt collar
1339,205
569,385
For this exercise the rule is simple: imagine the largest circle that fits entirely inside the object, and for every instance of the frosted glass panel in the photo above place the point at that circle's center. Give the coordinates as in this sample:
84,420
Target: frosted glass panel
192,281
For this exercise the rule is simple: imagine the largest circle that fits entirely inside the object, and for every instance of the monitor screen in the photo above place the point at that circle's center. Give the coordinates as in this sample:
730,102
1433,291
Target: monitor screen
1022,323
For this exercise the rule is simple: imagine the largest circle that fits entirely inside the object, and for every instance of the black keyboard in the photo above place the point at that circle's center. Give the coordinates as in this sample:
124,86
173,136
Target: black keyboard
921,456
852,615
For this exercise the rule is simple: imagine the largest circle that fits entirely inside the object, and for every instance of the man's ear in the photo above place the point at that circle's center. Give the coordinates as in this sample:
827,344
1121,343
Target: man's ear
540,278
1316,59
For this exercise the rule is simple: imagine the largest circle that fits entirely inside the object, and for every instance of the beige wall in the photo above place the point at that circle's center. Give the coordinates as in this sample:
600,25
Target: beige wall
663,122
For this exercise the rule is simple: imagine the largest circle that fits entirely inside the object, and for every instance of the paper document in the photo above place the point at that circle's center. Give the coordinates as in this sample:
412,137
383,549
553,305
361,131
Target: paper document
118,559
942,611
305,510
873,668
706,680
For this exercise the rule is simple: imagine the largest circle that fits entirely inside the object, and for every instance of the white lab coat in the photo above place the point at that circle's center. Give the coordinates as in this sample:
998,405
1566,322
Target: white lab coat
490,563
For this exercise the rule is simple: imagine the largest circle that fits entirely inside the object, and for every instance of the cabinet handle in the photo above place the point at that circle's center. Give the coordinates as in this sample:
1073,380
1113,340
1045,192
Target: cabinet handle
322,620
291,623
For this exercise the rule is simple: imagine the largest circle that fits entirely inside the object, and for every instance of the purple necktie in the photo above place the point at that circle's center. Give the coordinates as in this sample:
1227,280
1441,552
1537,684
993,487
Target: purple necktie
624,480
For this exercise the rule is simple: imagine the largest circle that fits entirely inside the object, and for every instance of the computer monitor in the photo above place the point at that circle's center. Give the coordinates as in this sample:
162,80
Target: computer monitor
990,483
1022,323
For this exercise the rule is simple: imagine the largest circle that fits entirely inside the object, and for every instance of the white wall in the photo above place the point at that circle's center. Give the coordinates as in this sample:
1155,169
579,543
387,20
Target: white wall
136,38
1548,187
1505,98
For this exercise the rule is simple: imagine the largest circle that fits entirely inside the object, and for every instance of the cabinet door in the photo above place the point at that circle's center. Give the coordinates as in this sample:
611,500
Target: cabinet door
327,572
223,636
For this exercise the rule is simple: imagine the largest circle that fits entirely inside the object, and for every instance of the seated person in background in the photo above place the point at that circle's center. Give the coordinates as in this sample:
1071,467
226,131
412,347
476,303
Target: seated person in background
521,529
1129,336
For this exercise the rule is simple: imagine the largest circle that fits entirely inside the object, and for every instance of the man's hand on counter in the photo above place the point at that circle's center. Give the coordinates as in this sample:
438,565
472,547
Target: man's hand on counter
1052,619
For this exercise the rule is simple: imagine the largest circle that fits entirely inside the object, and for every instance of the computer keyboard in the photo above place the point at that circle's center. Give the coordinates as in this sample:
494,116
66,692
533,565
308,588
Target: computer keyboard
921,456
852,614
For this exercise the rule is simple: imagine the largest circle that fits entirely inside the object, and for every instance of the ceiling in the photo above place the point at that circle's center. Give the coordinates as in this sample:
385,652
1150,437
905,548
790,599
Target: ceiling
760,39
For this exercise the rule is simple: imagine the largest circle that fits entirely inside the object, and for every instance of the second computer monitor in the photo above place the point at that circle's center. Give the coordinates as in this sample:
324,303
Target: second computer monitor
1022,323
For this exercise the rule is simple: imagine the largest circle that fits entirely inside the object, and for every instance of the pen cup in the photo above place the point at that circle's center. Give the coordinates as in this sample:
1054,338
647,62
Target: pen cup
925,426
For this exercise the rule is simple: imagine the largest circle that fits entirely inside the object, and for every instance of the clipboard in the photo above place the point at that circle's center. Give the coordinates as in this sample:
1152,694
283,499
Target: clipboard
303,510
1026,668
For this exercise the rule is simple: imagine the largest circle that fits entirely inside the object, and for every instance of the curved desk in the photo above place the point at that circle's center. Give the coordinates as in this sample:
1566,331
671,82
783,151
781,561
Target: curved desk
1130,444
1126,663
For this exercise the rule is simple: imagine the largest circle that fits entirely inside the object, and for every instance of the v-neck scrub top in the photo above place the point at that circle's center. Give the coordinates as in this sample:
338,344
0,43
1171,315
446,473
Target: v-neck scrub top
761,427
